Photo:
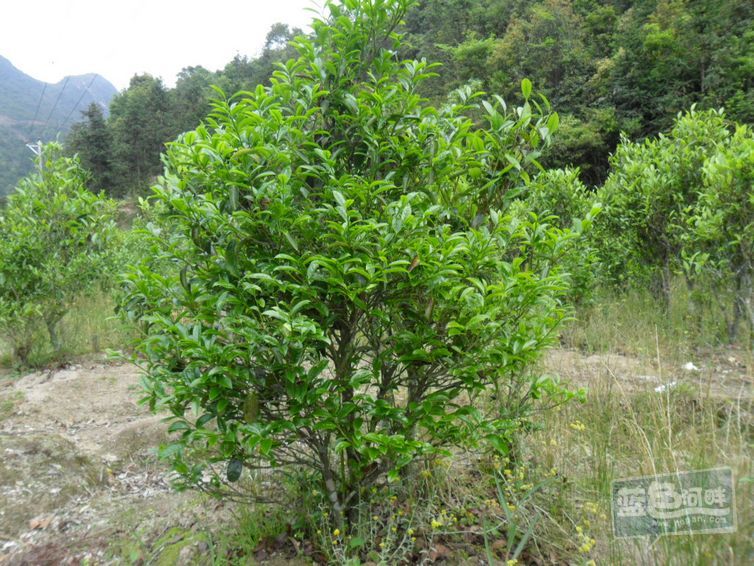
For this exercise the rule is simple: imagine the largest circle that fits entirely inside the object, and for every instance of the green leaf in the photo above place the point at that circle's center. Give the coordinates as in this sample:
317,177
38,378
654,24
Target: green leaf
341,445
178,426
204,419
233,198
317,369
356,543
291,240
339,198
526,88
271,313
553,122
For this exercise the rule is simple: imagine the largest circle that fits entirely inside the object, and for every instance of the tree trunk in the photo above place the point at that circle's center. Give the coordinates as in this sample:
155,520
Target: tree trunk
744,299
733,323
21,354
332,490
661,285
52,330
738,309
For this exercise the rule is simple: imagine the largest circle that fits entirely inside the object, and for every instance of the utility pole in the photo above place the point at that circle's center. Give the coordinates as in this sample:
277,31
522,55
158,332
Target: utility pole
36,148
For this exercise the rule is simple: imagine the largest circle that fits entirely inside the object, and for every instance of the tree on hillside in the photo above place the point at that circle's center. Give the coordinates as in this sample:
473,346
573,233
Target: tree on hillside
189,100
91,140
140,124
545,45
673,54
243,73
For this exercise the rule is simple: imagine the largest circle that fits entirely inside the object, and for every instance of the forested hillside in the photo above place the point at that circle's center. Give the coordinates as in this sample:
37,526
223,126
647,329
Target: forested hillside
606,66
31,110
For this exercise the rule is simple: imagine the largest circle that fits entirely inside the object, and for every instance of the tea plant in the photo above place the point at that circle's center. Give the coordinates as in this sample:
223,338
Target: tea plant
347,278
56,238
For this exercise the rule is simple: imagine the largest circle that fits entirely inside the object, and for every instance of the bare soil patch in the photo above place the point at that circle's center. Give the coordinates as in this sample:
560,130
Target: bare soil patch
722,375
79,470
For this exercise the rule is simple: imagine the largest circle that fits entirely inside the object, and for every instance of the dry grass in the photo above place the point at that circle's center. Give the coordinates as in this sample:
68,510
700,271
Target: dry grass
626,428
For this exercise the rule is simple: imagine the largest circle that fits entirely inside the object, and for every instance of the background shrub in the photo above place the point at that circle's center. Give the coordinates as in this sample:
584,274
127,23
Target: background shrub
56,238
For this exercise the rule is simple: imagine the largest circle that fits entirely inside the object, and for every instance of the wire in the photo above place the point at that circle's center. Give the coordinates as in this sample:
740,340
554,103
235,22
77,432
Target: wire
36,112
75,106
52,110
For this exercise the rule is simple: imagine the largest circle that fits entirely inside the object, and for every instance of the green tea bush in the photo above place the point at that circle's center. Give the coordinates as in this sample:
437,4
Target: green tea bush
721,226
682,204
651,187
56,244
345,279
559,198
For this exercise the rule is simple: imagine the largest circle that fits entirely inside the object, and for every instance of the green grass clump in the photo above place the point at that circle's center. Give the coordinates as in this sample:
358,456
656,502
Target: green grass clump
637,323
89,327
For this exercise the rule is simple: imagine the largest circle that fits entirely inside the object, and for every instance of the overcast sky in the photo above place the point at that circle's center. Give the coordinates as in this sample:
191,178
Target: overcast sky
49,39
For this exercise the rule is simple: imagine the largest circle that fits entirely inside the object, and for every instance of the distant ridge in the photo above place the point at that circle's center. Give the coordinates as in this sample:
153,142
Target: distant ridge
32,110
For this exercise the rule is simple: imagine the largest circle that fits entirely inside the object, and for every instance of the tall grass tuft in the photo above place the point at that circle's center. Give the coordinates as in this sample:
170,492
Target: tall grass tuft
89,327
636,323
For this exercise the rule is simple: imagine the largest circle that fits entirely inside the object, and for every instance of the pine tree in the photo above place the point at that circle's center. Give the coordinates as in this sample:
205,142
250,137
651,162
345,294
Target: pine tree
92,141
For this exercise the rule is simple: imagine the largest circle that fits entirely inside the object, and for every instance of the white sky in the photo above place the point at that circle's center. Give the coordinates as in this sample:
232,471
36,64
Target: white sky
49,39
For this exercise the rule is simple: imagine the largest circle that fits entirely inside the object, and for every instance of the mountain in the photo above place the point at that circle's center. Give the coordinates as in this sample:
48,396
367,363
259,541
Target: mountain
32,110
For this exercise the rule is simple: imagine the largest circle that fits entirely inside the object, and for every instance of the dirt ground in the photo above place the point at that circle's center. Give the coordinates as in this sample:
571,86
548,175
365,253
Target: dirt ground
78,470
725,375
